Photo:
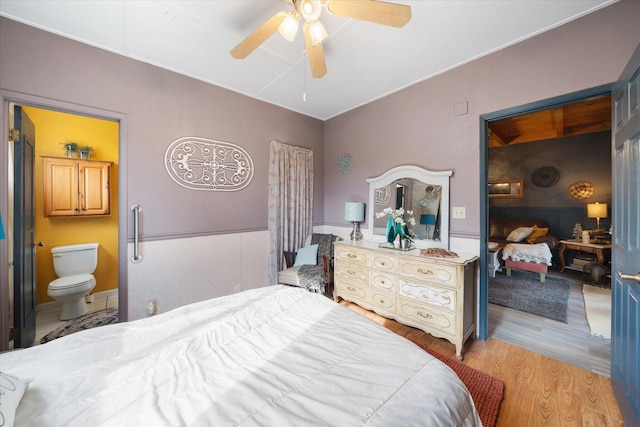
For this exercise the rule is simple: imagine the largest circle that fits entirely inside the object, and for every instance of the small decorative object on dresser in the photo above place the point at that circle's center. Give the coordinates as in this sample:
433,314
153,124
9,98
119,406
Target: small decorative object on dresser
436,295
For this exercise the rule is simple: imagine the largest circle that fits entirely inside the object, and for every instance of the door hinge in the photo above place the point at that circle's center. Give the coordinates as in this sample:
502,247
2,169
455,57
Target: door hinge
14,135
14,334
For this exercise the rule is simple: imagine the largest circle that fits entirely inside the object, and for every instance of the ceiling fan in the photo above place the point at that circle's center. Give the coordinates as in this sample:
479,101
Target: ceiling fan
287,23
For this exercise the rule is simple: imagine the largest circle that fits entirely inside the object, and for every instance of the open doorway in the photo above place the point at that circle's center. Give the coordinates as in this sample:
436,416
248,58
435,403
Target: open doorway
55,126
547,163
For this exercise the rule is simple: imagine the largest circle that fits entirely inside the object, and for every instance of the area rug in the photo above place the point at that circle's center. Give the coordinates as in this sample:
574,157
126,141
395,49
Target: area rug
523,291
597,306
86,321
487,392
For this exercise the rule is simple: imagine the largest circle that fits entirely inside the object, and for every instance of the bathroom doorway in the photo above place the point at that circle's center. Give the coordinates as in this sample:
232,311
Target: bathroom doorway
56,126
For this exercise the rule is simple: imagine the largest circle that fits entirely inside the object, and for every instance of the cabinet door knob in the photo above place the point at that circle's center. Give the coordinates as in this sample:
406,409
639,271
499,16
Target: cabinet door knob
38,244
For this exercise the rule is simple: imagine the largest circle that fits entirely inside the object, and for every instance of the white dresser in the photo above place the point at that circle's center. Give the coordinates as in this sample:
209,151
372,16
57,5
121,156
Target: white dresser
436,295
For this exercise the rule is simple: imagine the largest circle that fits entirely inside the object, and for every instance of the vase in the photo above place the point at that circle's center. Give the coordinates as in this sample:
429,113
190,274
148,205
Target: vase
391,231
400,231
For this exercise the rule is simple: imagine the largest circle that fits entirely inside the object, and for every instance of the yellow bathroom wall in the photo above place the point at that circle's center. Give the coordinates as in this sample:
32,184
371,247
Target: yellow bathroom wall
52,130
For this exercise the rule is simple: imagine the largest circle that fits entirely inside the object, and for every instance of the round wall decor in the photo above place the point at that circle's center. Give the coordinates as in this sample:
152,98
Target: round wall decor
547,176
582,190
344,163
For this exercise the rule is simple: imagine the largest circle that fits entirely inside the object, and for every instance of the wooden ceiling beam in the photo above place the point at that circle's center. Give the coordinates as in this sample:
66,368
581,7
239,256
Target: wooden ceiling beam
558,121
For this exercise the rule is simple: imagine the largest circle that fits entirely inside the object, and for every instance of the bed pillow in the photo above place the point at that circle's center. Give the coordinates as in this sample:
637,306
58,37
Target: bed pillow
537,232
11,391
307,255
519,234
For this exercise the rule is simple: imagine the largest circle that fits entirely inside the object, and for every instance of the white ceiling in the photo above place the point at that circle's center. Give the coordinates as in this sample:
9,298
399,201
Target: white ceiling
365,61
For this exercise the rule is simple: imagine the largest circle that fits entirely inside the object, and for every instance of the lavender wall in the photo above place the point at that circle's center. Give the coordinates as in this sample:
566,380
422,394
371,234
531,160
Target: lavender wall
418,126
161,106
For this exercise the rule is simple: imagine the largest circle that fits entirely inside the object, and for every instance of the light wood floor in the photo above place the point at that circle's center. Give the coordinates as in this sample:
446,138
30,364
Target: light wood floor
569,342
539,390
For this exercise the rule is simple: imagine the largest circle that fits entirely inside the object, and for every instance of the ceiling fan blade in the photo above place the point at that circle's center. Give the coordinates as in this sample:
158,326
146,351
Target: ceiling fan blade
379,12
315,53
259,36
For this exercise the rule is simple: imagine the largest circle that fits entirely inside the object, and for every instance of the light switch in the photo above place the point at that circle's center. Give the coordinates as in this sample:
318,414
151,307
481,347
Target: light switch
459,213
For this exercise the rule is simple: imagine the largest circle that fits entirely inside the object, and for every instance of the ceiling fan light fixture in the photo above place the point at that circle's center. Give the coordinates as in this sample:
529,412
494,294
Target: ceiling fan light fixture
289,27
310,9
317,32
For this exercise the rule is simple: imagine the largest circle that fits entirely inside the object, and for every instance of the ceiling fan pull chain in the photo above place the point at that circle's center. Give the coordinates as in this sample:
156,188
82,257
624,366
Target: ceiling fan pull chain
304,76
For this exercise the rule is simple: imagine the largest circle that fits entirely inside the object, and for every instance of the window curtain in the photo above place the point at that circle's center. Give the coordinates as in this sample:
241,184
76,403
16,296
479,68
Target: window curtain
290,202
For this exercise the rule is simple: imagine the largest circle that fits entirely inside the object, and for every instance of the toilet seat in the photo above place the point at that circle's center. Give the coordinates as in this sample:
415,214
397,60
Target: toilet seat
71,282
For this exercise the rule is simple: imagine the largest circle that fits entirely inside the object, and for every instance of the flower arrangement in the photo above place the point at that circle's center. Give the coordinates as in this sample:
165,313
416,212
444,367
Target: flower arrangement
398,222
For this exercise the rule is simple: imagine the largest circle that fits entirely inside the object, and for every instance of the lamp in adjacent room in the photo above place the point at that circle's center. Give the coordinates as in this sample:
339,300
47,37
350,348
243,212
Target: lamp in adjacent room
354,212
428,220
597,210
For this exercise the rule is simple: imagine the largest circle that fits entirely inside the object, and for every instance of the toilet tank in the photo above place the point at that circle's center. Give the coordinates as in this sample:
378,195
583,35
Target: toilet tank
75,259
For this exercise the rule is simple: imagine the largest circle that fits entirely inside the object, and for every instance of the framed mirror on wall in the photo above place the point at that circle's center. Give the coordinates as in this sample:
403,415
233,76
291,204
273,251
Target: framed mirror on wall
506,189
424,192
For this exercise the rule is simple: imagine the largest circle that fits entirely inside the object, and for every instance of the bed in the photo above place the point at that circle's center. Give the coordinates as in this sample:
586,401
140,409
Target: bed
273,356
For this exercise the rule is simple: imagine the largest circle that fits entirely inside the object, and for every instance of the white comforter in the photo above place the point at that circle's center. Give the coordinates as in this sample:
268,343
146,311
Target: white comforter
274,356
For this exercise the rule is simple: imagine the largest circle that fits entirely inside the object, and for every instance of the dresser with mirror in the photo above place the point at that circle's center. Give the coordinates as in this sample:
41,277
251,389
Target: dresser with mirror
434,293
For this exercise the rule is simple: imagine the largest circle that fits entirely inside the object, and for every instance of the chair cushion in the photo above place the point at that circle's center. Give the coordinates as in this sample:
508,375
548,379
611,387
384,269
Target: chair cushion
307,255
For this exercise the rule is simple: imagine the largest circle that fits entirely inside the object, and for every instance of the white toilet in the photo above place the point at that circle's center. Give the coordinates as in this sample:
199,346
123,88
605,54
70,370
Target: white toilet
74,265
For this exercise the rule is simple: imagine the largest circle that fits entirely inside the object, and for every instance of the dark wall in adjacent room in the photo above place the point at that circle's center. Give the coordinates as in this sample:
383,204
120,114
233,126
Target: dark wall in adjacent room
577,158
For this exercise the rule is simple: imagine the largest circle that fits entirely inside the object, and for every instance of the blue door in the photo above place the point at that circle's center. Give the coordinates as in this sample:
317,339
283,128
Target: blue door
625,314
24,250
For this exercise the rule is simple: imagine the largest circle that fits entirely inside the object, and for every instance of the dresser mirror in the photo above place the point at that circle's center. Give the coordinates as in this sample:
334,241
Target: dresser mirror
424,192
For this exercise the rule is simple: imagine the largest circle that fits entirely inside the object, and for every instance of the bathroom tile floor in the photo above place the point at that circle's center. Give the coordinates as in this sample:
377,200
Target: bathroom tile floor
47,314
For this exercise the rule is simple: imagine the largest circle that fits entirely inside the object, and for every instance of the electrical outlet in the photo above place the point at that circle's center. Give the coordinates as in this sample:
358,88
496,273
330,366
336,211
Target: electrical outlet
237,288
460,213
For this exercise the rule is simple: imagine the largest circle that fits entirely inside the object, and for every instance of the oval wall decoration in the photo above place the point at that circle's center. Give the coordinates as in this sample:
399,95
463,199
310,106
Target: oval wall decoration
582,190
208,165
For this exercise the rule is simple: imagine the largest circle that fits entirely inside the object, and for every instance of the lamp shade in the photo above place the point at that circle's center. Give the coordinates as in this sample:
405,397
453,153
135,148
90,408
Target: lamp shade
354,211
597,210
427,219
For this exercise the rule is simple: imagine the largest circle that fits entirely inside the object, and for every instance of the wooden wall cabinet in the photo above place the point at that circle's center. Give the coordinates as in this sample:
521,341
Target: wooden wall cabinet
436,295
76,187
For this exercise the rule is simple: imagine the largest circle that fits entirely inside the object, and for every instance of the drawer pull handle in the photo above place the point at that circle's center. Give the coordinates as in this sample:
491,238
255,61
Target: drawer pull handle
351,256
428,272
425,315
351,289
351,272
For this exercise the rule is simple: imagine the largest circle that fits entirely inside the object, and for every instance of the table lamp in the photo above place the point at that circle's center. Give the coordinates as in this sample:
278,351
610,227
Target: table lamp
428,220
354,212
597,210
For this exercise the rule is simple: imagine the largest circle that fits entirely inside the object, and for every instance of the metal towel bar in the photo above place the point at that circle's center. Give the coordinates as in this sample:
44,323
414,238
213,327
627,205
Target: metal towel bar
136,258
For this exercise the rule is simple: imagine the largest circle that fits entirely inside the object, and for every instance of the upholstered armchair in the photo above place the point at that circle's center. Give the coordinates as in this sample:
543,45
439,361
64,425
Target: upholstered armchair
311,267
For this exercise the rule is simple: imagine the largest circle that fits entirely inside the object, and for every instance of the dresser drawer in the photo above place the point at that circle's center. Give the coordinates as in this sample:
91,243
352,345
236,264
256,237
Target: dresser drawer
352,291
436,296
385,301
384,280
383,262
443,275
429,317
353,272
352,255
